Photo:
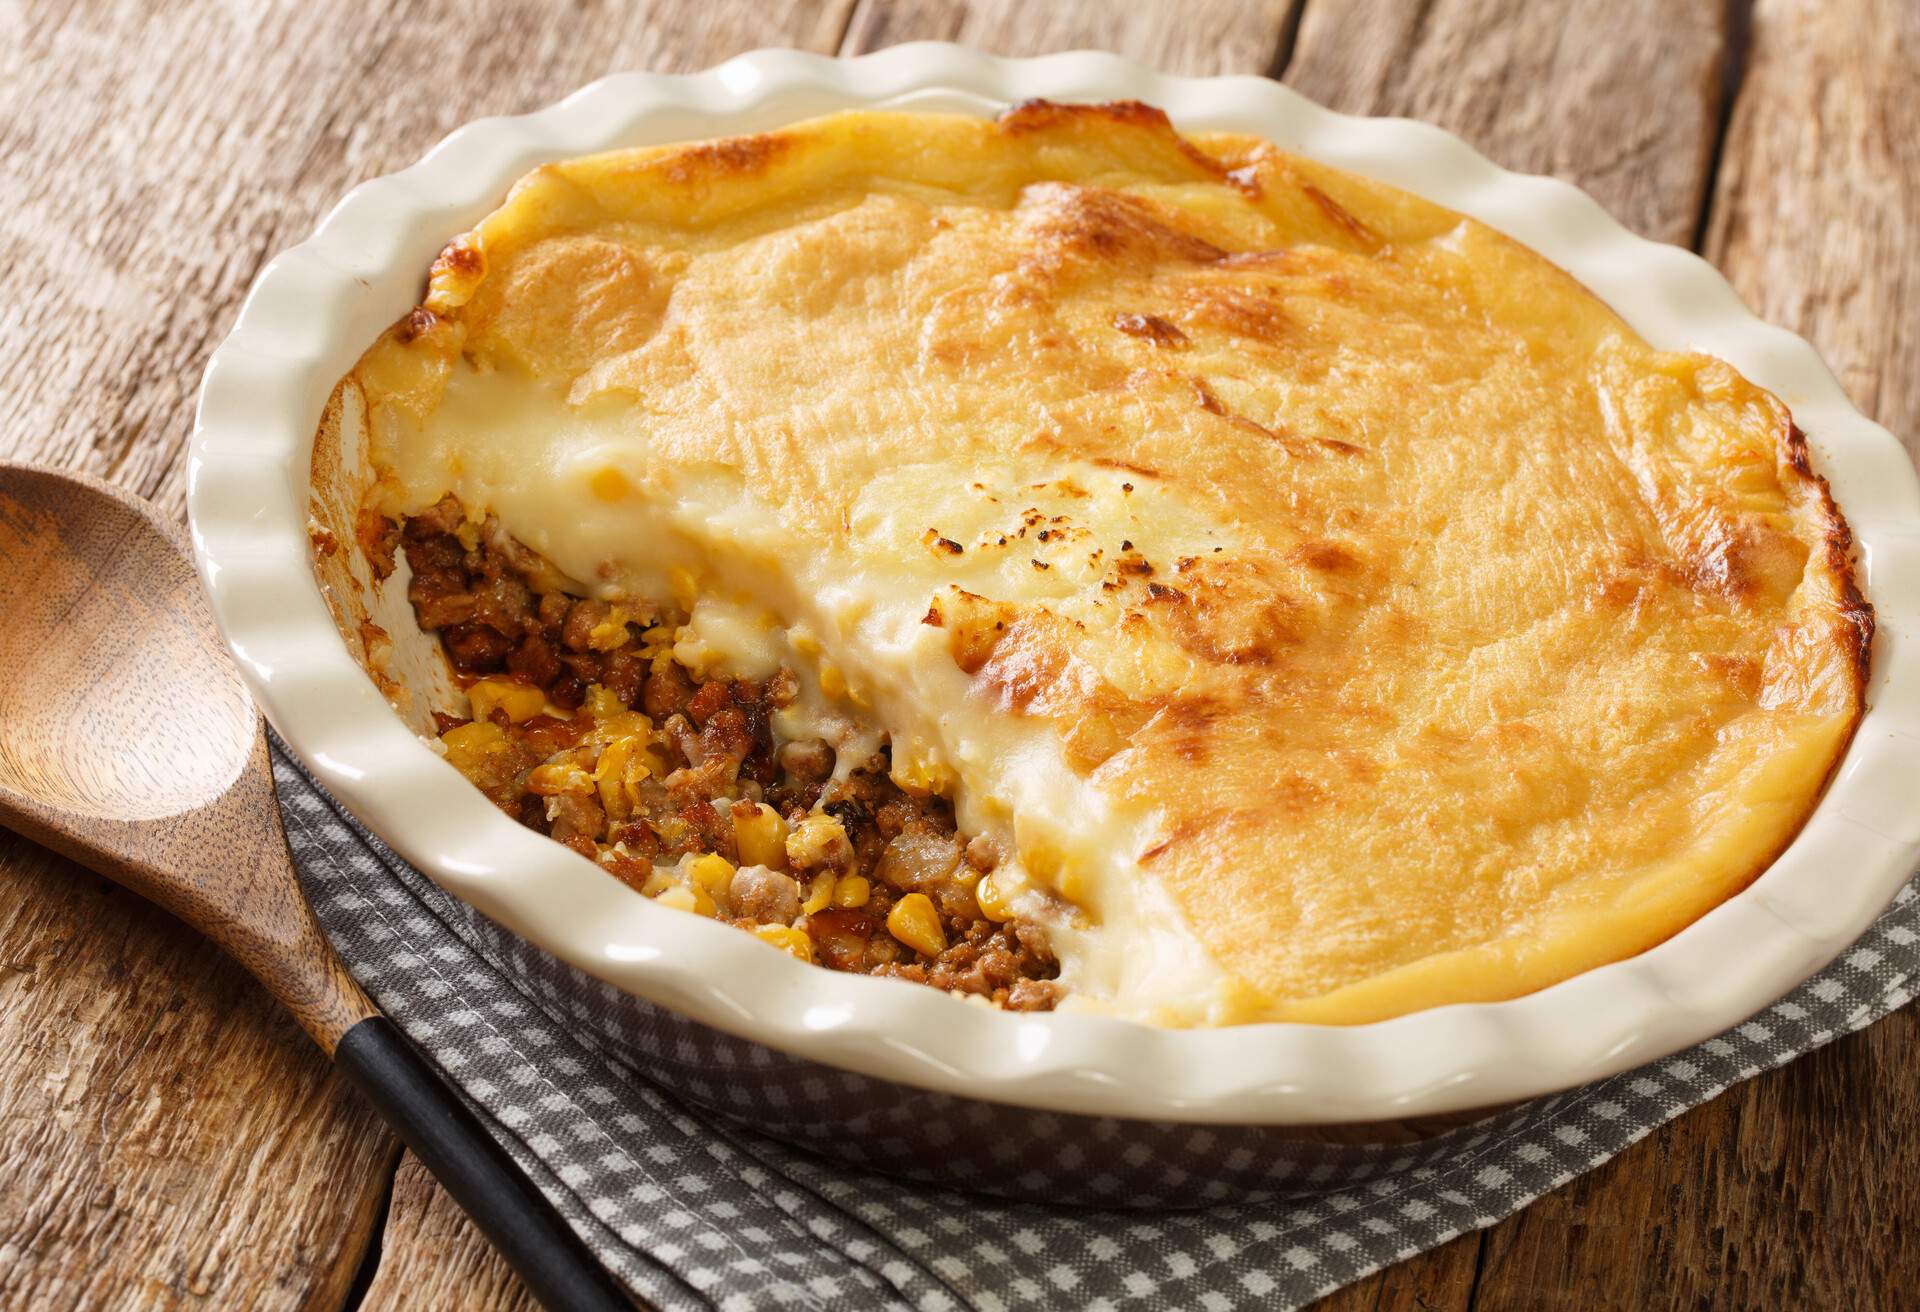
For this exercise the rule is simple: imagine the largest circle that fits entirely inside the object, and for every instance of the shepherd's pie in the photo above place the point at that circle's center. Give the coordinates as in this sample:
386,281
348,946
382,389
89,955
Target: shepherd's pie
1068,562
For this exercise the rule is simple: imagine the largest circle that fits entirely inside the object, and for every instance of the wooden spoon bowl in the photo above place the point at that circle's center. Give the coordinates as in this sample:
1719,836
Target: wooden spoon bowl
114,706
128,743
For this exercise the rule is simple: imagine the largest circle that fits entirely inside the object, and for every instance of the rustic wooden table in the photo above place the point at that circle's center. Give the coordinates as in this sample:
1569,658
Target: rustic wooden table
167,1139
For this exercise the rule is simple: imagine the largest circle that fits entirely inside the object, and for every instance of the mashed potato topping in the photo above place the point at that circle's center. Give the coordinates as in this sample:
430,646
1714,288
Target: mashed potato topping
1329,607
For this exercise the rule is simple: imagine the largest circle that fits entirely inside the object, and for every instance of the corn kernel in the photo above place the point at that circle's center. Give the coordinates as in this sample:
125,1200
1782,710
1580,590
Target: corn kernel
557,777
852,891
711,872
620,724
658,882
677,896
472,743
610,776
787,939
611,633
819,894
520,701
914,922
762,838
819,840
922,776
993,902
832,682
656,646
687,897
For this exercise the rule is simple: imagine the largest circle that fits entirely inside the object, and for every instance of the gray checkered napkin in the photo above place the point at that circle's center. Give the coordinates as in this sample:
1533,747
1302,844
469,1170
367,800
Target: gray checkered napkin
692,1212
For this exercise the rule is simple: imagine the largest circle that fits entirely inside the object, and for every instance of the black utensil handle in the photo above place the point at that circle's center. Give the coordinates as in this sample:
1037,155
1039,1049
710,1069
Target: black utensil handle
444,1133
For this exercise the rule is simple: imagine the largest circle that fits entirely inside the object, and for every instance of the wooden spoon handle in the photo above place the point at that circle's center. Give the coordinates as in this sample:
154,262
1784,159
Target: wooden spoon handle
445,1134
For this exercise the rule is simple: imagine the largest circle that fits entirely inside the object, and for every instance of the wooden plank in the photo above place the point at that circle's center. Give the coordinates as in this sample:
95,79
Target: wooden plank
1179,36
1816,217
167,1139
433,1260
1790,1191
1619,96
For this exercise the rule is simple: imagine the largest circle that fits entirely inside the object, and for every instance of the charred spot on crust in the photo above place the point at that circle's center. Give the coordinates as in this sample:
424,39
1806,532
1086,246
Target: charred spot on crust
975,627
1855,611
1043,115
1037,115
1795,444
1329,557
1109,226
1341,215
461,257
729,156
1237,310
1108,462
419,322
1152,328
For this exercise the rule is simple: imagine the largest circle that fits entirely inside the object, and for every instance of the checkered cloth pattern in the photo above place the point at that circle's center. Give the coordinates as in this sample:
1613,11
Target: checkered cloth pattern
694,1213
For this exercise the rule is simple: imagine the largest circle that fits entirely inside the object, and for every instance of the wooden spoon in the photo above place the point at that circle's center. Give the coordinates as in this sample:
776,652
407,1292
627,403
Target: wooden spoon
128,743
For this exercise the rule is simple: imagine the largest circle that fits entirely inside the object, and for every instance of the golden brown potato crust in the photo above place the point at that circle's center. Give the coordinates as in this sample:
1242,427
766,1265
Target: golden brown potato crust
1456,639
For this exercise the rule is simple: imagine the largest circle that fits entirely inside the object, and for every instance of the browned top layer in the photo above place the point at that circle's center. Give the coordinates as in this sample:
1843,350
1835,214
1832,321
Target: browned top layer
1441,636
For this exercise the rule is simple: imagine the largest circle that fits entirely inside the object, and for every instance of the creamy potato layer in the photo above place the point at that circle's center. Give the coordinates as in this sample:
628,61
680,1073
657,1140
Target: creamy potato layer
1328,607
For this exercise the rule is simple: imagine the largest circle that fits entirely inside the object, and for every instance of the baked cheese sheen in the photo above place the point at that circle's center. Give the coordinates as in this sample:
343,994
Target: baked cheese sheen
1337,608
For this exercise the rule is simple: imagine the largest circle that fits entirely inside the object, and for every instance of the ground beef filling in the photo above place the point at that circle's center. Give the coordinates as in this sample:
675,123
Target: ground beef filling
585,728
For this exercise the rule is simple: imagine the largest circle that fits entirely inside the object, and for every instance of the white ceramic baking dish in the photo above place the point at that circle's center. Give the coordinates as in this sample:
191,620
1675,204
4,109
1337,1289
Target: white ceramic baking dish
315,309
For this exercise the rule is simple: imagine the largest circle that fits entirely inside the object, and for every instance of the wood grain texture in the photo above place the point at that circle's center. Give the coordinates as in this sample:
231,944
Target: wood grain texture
1179,36
129,744
1620,96
168,1138
1816,214
158,156
1791,1191
432,1261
